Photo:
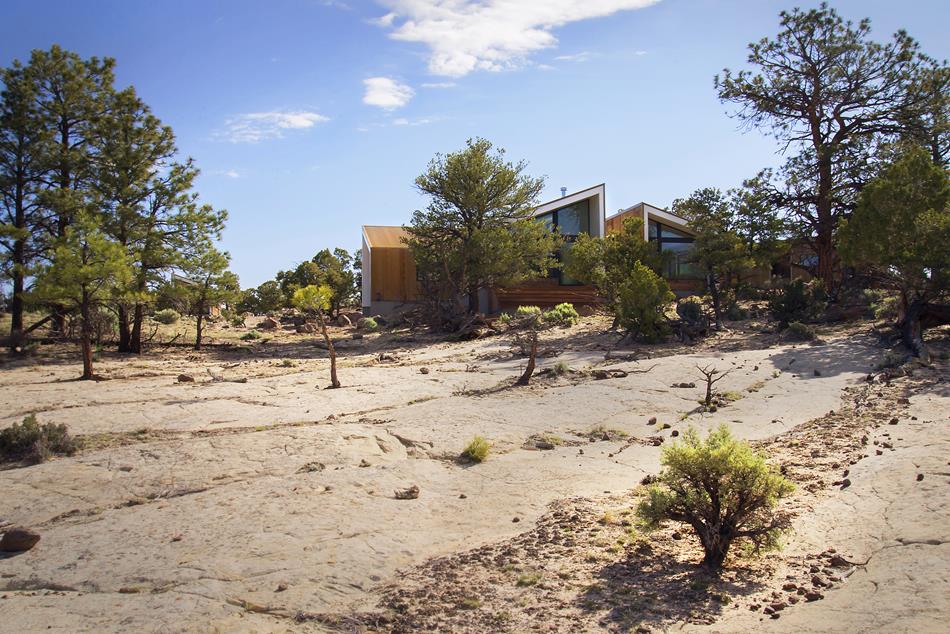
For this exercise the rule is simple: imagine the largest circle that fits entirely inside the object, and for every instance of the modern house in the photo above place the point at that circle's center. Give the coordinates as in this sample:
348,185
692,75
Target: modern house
389,275
671,234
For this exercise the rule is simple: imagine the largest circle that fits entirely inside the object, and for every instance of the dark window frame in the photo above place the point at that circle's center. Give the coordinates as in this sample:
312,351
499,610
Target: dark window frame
569,238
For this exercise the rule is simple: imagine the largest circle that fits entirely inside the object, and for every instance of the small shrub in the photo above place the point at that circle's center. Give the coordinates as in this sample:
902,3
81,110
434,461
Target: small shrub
167,316
561,315
368,323
528,579
720,487
886,308
287,363
504,319
690,309
238,320
527,311
477,449
736,312
35,443
641,303
797,301
801,332
251,336
561,368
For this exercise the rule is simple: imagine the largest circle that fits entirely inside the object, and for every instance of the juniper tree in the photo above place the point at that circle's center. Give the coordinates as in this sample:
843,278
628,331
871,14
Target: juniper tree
478,230
899,234
208,283
316,300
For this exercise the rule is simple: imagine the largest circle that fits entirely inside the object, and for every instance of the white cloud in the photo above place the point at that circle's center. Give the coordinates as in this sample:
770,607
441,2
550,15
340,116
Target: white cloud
411,122
386,93
640,53
229,173
260,126
583,56
468,35
439,84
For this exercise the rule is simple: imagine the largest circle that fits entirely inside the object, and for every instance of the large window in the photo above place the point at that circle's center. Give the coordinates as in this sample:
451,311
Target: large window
678,244
570,222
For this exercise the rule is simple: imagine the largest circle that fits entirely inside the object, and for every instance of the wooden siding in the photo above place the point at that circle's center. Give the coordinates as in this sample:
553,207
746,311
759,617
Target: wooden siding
614,224
393,275
544,293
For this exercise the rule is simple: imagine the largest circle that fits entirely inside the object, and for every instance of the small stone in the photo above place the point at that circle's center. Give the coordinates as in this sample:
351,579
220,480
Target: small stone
357,335
676,535
818,582
878,452
920,477
789,587
813,596
423,370
515,520
893,421
674,433
652,421
186,378
407,494
462,496
363,463
845,483
281,587
17,539
817,372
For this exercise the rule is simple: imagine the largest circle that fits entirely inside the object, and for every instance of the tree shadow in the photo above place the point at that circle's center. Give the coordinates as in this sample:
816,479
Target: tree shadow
653,586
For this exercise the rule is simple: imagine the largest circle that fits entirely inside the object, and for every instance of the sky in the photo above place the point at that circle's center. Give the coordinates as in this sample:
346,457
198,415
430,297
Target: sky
310,118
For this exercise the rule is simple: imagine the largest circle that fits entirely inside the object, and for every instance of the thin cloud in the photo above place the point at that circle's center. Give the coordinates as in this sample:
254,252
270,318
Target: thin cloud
439,84
386,93
468,35
402,121
583,56
261,126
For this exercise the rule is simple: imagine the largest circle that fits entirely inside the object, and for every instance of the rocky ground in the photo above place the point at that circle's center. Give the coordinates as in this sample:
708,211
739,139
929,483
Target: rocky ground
252,499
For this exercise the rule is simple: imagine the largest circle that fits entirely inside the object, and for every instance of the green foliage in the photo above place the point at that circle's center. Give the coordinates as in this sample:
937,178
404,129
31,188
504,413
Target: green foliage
265,299
312,298
800,332
563,314
830,96
251,335
900,230
528,311
797,301
334,270
624,267
368,323
477,449
691,310
478,230
32,442
166,316
207,283
720,487
641,301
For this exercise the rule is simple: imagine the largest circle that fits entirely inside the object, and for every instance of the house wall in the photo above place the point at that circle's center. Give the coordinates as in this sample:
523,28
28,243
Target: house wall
392,276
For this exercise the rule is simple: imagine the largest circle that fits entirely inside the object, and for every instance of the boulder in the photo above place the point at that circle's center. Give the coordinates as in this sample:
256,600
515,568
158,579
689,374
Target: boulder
306,328
17,539
268,323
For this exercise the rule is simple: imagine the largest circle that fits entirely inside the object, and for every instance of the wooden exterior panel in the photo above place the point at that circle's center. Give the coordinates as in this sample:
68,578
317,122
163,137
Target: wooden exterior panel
544,293
393,275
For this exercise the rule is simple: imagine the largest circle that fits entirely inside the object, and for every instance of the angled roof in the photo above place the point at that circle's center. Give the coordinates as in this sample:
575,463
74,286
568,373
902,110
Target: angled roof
569,199
381,236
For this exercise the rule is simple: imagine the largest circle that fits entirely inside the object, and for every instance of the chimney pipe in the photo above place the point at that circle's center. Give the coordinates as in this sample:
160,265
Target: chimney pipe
563,192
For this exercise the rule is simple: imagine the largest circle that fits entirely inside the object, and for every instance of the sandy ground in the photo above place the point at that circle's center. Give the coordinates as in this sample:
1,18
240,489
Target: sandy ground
268,505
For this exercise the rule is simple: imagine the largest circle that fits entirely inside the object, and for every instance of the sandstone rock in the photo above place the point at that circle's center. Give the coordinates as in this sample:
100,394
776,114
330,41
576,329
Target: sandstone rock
423,370
268,323
652,421
186,378
306,329
18,539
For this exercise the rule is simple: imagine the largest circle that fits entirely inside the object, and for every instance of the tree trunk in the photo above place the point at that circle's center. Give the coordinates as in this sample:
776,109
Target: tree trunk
125,333
715,549
85,329
199,319
135,336
709,383
918,316
17,336
717,303
334,382
473,300
824,239
532,354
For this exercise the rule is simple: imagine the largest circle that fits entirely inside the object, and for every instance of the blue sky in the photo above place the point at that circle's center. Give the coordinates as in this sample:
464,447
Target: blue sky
310,118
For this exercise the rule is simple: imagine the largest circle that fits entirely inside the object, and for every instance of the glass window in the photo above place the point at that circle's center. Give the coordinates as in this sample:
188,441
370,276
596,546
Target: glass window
574,220
563,256
654,230
677,267
673,233
547,220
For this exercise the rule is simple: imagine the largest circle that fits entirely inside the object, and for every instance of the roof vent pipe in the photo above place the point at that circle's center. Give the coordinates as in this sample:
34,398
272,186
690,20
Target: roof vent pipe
563,192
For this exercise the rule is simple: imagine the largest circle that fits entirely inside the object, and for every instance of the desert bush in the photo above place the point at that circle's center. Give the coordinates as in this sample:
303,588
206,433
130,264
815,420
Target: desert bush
251,335
735,312
561,315
561,368
167,316
476,450
368,323
797,301
801,332
527,311
35,443
641,303
504,319
720,487
690,309
238,320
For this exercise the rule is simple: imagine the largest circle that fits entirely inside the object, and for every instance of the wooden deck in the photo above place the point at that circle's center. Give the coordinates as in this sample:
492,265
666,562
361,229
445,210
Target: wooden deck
545,294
